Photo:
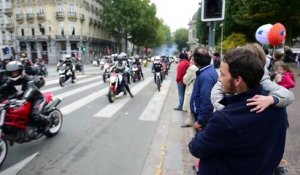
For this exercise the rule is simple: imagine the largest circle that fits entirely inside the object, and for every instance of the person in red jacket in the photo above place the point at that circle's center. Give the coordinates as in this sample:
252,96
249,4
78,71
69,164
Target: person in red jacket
181,71
285,76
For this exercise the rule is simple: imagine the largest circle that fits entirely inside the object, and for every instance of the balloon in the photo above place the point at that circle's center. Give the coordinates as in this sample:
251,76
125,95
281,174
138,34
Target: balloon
262,32
277,34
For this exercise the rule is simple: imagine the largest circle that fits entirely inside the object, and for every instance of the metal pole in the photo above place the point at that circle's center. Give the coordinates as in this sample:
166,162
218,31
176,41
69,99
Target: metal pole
212,35
222,30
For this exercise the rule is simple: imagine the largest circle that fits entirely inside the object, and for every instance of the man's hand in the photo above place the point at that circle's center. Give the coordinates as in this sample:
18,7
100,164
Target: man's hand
260,103
197,126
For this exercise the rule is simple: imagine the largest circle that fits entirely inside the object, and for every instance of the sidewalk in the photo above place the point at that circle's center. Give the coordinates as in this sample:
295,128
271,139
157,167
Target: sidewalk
168,153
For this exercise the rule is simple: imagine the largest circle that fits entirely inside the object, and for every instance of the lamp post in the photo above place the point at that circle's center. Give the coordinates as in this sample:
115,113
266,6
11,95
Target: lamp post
222,30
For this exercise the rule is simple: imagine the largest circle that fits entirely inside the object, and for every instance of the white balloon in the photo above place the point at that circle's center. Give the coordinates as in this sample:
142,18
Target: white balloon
262,32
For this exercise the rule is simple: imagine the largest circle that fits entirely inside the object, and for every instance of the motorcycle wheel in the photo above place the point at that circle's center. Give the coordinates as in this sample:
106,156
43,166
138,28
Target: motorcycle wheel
62,81
111,96
57,120
3,150
104,78
158,84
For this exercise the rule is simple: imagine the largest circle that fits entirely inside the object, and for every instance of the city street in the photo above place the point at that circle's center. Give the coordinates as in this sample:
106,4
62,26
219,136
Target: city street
97,137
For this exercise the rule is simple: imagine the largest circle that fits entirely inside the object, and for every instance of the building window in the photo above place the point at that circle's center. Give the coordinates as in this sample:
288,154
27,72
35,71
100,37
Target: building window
72,8
73,31
49,29
60,8
19,11
29,10
41,10
22,32
32,31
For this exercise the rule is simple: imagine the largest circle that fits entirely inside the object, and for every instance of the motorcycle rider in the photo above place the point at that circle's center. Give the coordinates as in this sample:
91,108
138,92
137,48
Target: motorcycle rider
139,65
19,82
120,67
69,63
157,67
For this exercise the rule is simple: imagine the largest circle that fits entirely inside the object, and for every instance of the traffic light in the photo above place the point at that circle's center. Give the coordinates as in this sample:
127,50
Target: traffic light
212,10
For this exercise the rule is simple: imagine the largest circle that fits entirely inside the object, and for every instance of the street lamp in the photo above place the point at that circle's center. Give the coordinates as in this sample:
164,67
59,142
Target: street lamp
222,30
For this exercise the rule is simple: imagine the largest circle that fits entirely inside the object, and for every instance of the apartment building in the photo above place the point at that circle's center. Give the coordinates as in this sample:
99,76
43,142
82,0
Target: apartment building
50,29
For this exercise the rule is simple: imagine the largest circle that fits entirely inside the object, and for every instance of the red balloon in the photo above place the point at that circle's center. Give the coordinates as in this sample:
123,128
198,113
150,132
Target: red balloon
277,34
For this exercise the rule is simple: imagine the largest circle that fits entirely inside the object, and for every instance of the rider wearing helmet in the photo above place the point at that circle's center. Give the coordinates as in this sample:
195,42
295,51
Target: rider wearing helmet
69,63
138,63
29,88
120,67
157,67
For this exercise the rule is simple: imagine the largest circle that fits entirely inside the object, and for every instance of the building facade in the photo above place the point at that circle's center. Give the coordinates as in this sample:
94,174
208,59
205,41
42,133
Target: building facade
193,41
50,29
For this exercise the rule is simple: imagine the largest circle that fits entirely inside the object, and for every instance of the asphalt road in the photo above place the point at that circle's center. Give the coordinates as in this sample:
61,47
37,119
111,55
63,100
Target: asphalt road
97,137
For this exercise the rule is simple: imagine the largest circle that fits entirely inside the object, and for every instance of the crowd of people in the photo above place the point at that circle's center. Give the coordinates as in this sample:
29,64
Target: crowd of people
239,116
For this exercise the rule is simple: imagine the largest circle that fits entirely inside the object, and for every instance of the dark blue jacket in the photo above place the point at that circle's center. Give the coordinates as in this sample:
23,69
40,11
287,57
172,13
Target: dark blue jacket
239,142
200,100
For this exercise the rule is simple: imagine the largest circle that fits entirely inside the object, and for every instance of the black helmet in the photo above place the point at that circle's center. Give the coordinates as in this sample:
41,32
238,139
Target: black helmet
13,67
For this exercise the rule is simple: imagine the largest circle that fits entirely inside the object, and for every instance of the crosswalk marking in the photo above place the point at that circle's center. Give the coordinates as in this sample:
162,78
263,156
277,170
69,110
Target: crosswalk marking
80,82
79,103
55,81
111,109
75,91
155,105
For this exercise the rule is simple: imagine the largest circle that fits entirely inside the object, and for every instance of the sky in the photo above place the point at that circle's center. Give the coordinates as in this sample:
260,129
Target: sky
176,13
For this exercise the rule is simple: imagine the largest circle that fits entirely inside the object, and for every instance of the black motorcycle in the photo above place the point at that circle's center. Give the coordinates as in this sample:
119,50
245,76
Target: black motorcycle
65,73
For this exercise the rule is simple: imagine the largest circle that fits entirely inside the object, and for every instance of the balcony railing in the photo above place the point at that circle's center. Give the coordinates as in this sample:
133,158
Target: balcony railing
42,37
74,37
9,25
19,17
60,15
91,21
61,37
41,16
8,10
30,16
21,37
72,15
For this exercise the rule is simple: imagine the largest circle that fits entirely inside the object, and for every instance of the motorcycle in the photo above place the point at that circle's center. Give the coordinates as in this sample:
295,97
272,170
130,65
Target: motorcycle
41,69
136,73
158,80
102,63
65,73
16,126
115,86
106,73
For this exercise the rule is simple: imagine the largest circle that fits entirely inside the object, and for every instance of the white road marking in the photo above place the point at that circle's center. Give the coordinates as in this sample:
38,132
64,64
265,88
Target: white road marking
155,105
79,103
19,166
51,82
75,91
59,88
111,109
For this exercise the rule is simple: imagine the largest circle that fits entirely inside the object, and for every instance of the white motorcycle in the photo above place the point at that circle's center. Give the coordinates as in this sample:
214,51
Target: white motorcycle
65,73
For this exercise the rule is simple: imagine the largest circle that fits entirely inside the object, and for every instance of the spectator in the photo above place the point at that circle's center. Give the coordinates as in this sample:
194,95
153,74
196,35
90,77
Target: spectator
188,80
285,77
235,140
288,55
207,77
278,96
181,71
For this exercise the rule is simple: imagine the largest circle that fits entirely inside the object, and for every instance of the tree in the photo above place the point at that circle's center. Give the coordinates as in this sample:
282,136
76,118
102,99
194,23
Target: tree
234,40
202,29
181,38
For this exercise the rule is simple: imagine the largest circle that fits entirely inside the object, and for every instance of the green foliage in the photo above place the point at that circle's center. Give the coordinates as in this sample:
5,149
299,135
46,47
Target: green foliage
234,40
135,20
202,29
181,38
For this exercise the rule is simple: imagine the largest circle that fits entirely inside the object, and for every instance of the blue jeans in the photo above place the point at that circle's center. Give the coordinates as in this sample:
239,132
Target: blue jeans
181,90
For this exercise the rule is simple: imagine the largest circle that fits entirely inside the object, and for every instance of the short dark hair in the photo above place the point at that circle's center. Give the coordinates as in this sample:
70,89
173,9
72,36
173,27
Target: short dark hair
201,57
244,63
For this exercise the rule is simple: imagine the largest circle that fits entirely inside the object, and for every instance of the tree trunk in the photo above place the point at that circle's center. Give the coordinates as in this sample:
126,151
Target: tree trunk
132,52
138,49
126,43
